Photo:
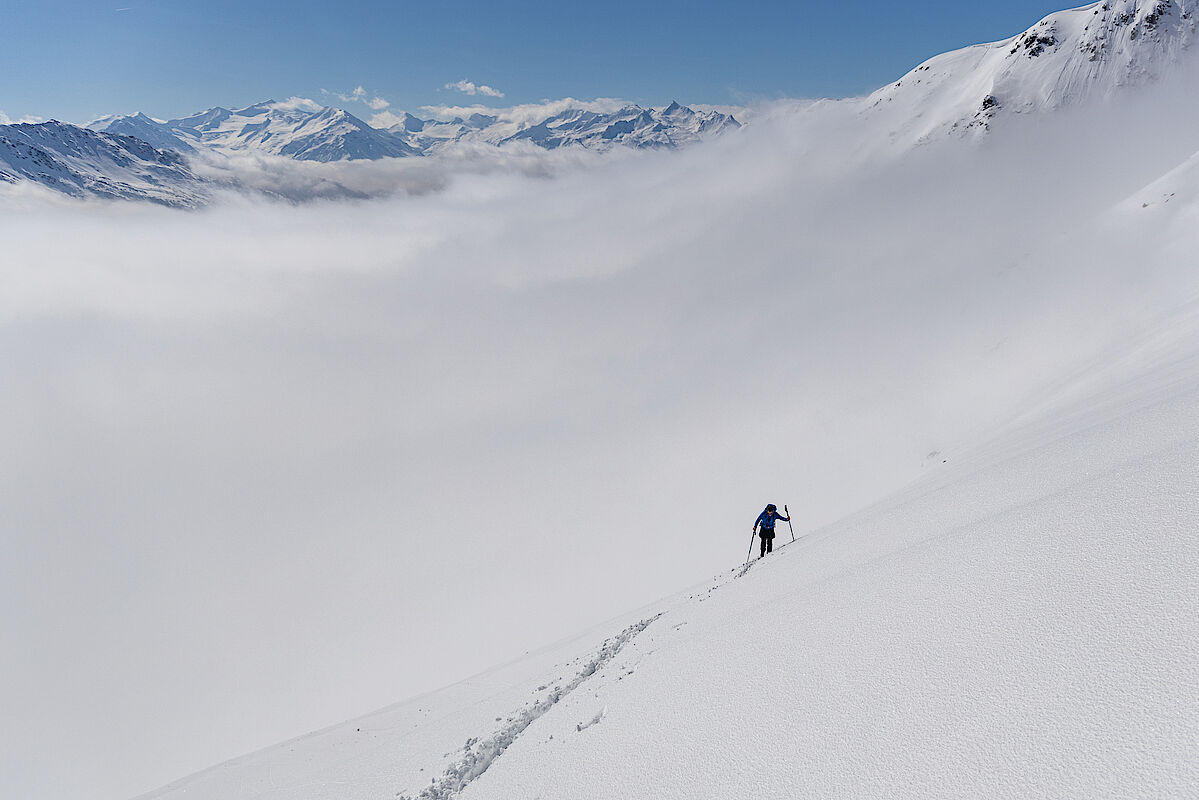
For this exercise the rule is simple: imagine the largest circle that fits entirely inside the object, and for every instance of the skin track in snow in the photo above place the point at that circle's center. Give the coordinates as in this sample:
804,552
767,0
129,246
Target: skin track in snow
478,756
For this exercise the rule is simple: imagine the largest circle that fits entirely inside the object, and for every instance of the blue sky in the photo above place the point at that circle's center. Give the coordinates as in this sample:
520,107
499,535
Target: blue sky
77,60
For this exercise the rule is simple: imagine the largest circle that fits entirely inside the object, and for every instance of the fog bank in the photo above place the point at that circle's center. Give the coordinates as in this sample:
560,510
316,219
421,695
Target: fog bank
273,465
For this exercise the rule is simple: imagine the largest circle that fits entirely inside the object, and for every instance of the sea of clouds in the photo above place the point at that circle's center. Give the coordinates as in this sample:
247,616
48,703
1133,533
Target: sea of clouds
300,454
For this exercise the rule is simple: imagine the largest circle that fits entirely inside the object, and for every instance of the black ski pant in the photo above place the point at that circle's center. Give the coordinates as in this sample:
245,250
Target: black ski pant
767,541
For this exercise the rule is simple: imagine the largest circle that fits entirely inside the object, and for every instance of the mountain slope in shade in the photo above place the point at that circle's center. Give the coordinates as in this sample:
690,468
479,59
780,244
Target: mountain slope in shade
85,163
1068,58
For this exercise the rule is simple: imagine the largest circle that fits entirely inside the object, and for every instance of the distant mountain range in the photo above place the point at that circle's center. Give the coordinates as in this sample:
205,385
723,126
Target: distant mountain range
630,126
282,129
140,158
1067,58
309,132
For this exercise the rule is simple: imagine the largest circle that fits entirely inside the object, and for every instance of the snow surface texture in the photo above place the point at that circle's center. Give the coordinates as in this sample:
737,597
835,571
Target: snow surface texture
415,748
1021,624
477,755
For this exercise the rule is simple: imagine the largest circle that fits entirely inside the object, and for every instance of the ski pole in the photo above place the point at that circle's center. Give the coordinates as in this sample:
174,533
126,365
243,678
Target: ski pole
789,525
752,534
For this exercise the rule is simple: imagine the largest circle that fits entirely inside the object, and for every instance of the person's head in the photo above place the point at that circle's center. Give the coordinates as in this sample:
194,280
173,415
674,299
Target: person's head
772,507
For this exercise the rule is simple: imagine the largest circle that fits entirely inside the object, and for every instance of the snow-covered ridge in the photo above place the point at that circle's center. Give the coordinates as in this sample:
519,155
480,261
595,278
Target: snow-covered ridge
1068,58
84,163
477,756
1011,627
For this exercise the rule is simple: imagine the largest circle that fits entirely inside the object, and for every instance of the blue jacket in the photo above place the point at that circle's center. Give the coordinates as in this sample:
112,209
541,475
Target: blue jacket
766,520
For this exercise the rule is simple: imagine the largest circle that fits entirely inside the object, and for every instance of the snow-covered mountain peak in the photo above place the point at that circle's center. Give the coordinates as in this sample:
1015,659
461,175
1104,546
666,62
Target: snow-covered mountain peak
85,163
1067,58
211,117
409,123
297,128
141,126
1138,34
136,117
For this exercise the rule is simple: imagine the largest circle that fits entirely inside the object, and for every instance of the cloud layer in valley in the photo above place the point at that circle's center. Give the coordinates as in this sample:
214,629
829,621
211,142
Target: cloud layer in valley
271,465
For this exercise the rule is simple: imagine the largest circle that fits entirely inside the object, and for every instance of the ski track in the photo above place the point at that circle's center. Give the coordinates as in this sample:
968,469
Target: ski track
478,756
748,565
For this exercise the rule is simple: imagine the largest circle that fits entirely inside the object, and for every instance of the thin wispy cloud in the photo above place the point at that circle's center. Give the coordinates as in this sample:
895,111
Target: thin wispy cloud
385,119
360,95
471,88
27,119
297,104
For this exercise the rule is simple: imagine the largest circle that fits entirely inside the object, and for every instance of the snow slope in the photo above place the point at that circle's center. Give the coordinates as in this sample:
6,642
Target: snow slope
1179,187
1018,623
1068,58
1023,629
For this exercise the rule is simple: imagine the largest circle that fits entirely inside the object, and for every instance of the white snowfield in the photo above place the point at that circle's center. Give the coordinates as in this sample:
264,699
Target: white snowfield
1020,624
